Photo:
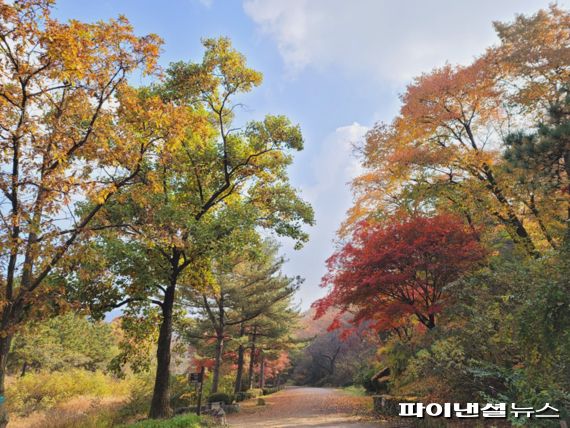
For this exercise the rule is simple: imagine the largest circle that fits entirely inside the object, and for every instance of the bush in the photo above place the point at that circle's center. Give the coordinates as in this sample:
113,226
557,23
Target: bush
139,396
39,391
267,391
181,394
220,397
249,394
242,396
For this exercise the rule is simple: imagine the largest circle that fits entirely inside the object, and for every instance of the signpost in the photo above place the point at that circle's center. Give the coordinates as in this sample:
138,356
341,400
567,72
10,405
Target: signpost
195,377
198,378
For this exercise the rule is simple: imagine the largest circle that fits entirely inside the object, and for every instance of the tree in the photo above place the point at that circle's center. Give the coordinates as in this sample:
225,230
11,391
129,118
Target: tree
332,357
533,57
398,269
63,342
442,137
541,161
488,142
246,288
275,327
443,151
63,139
270,335
200,196
276,363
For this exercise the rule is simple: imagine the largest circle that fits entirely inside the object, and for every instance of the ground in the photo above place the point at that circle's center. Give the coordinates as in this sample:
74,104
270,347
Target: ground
306,407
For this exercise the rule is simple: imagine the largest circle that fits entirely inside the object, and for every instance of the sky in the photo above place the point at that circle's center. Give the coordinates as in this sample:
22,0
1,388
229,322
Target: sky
335,67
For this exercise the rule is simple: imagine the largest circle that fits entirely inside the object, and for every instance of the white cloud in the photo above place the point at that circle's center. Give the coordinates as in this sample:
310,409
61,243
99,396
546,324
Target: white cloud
390,40
206,3
333,167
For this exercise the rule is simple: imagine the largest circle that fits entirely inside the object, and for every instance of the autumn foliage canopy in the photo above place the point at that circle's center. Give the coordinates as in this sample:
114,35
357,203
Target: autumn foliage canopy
388,272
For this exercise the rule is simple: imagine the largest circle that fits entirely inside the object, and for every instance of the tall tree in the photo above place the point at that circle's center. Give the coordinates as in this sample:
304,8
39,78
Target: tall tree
63,138
269,335
442,137
245,289
201,195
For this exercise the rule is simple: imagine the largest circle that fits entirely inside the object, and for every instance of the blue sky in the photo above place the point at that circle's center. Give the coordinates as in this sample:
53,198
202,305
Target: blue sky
333,66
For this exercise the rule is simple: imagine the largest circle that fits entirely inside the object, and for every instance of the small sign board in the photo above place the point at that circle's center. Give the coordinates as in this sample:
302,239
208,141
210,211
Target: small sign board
195,377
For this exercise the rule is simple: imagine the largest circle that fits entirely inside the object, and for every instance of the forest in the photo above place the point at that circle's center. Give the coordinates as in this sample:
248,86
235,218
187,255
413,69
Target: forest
142,227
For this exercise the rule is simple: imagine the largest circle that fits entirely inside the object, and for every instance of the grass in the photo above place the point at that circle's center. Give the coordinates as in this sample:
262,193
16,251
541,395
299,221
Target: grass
182,421
78,412
355,390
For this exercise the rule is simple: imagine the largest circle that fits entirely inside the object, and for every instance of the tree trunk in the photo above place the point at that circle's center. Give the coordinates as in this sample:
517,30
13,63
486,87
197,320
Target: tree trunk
4,350
262,371
218,362
240,358
220,330
428,321
252,358
513,224
160,405
531,204
567,190
431,321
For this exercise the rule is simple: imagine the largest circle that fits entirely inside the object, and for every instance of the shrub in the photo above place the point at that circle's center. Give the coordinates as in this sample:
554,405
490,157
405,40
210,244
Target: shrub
267,391
181,394
364,378
220,397
38,391
256,392
241,396
139,397
249,394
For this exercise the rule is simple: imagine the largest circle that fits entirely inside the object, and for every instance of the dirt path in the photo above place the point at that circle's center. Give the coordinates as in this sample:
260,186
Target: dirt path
306,407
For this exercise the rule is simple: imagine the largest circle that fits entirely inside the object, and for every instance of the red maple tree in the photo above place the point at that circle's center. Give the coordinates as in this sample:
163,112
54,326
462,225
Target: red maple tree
389,272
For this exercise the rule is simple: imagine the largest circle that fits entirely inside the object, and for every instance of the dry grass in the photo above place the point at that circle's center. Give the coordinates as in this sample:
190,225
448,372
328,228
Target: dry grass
44,390
78,412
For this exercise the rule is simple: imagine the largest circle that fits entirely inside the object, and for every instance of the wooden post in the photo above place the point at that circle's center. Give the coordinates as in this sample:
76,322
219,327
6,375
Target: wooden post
199,408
